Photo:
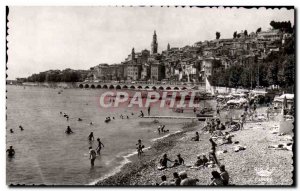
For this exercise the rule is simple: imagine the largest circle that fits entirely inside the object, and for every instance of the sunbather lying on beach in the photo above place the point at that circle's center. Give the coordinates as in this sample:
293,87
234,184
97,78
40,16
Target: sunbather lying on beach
227,139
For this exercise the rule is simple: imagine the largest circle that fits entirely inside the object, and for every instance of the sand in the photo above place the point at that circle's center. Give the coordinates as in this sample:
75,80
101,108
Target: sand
257,165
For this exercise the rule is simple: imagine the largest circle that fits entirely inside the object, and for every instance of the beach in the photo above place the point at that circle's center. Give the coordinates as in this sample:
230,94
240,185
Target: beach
256,165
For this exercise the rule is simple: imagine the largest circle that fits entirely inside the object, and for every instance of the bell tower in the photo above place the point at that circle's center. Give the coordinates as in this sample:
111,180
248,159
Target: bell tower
154,44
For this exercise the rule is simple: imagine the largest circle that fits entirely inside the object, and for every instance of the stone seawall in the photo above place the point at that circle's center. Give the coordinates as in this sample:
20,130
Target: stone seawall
52,84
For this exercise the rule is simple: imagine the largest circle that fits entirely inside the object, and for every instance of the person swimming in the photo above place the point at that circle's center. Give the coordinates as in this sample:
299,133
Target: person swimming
91,123
127,117
11,152
107,119
91,136
21,128
79,119
69,130
11,131
100,144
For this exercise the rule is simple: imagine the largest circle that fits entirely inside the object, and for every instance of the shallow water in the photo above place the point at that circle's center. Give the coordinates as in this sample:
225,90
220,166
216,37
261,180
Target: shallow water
46,155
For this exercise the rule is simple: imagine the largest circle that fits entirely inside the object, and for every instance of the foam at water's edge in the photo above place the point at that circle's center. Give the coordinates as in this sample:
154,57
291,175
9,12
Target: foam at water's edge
155,139
126,160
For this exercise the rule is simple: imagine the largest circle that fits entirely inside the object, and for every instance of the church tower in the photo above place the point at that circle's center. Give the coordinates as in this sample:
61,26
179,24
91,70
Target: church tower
132,54
154,44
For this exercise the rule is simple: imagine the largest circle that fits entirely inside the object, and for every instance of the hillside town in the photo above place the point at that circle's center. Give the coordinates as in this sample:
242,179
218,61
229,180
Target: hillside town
248,60
193,63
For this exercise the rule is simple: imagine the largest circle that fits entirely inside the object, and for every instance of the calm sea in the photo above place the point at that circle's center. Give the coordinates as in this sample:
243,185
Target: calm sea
46,155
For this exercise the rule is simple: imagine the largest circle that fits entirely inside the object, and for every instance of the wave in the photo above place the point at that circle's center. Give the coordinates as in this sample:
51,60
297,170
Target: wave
159,138
126,160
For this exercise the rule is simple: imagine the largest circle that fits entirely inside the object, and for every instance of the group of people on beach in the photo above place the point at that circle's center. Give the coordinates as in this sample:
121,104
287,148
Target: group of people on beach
181,179
161,129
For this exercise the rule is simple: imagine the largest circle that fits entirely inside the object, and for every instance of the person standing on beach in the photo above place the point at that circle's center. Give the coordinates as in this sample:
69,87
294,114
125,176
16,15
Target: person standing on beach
93,155
218,111
140,148
149,109
100,144
213,150
142,114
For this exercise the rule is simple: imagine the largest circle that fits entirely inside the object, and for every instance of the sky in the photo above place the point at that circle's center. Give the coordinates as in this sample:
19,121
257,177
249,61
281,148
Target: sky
44,38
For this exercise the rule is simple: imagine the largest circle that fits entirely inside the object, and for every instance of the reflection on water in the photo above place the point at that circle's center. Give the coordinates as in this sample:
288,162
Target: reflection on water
46,155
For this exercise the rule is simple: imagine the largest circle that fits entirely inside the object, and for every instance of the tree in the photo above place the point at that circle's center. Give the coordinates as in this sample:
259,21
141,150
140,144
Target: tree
238,35
246,33
234,34
234,77
258,30
284,26
246,78
218,35
272,73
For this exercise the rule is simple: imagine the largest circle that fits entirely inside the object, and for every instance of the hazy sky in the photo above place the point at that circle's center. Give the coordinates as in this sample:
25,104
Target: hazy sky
43,38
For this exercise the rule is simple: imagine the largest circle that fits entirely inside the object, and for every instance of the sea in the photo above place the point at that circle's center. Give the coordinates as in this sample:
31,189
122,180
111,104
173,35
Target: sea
46,155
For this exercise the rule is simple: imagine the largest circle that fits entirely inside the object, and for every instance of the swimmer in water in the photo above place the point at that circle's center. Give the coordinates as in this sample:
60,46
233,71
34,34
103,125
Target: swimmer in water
69,130
113,117
93,155
11,131
100,144
91,136
11,152
21,128
79,119
127,117
91,123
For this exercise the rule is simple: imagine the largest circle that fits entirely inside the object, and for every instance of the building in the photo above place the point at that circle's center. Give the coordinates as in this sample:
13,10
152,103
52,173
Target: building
270,35
133,71
157,71
154,44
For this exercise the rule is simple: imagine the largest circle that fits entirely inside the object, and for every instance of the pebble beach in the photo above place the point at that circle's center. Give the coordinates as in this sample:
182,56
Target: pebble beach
256,165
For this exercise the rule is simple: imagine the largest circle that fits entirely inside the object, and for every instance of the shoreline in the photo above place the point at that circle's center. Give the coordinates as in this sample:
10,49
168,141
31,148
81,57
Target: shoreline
132,166
244,167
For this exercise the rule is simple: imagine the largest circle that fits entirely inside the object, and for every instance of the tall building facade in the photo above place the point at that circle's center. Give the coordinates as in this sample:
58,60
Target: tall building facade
154,44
